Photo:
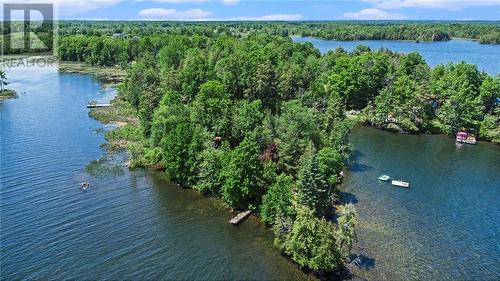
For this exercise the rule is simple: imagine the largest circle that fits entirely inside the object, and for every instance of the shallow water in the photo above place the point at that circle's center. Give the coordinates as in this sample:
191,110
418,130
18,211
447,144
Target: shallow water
446,226
127,225
485,56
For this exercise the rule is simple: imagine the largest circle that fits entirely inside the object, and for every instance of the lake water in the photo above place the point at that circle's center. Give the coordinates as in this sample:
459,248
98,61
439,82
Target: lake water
136,225
446,226
127,225
486,57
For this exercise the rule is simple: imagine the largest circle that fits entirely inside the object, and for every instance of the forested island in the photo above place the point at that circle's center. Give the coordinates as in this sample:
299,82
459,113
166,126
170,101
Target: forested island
4,92
239,112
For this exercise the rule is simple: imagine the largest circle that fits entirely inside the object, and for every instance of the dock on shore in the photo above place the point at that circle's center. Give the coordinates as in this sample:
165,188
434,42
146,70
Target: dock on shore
97,105
240,217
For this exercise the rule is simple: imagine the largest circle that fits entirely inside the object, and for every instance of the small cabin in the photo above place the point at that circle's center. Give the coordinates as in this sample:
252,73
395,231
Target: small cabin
217,142
434,102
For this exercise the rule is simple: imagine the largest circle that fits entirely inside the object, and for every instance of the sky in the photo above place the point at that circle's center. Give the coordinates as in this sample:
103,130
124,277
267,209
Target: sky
287,10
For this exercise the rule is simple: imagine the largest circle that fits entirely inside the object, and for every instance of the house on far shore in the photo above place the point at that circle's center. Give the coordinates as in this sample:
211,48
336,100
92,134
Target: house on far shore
434,102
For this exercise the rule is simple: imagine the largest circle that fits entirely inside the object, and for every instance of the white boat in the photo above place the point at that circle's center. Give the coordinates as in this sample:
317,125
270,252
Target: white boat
384,178
400,183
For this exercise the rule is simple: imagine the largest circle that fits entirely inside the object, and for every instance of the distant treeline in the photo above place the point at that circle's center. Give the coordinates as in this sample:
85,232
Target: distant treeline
485,32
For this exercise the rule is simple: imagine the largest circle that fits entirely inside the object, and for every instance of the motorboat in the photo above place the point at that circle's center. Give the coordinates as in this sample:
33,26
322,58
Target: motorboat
384,178
463,137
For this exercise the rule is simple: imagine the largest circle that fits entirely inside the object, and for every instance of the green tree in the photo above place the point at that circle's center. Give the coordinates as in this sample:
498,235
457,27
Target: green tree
358,78
209,176
242,175
212,109
490,91
490,127
347,220
330,163
194,70
173,52
3,80
312,187
311,242
247,116
458,86
180,142
295,128
403,105
278,200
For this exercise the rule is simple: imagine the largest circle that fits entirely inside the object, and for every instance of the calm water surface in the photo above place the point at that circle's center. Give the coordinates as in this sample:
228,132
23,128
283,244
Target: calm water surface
446,226
135,225
128,225
486,57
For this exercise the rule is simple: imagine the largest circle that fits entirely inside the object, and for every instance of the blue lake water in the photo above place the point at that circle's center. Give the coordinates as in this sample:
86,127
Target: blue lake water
486,57
446,226
129,225
136,225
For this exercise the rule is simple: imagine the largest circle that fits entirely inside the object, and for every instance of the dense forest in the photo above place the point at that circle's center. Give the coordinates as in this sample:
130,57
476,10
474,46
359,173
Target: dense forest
485,32
263,123
385,89
238,119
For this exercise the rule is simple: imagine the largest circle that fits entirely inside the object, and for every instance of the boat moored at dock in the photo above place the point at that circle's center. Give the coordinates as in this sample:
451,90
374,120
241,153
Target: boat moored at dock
463,137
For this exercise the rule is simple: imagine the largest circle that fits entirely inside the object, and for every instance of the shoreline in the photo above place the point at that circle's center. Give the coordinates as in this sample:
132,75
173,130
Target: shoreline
119,115
8,94
360,119
109,76
396,40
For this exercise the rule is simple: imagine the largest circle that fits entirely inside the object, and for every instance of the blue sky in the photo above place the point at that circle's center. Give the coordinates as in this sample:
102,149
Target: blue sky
277,9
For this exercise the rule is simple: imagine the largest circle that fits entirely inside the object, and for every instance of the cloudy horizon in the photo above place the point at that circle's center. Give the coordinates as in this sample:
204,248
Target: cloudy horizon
275,10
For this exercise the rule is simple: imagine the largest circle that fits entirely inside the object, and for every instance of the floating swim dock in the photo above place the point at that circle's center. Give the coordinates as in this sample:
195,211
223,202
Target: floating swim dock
400,183
98,105
240,217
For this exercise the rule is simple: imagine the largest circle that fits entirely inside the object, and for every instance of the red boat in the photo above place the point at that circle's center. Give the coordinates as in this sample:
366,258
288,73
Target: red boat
464,137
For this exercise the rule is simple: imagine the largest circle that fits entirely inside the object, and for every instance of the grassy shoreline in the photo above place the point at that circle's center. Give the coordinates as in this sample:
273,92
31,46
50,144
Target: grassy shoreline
108,76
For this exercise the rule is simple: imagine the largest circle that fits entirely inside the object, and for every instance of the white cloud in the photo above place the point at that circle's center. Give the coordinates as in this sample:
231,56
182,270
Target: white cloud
225,2
374,14
177,1
229,2
447,4
273,17
160,13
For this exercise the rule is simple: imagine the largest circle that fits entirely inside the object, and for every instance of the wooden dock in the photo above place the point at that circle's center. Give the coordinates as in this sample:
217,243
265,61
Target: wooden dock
97,105
240,217
400,183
